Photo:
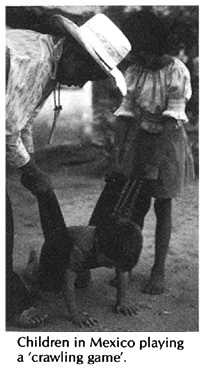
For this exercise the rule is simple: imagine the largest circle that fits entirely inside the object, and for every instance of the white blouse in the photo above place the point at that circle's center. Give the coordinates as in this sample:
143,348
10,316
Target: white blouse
154,94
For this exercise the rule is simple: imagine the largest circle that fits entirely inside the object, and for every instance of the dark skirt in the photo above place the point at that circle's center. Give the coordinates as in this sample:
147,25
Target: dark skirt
166,163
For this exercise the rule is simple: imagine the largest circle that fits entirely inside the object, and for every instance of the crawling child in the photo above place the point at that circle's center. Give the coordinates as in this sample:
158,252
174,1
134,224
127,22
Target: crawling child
116,243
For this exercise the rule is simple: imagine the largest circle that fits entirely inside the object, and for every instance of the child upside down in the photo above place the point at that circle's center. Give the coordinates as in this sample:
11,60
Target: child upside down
67,251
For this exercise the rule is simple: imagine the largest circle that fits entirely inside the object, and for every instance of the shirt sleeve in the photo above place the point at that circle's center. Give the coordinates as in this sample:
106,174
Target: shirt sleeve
19,145
179,93
31,69
16,153
21,100
27,137
27,131
127,107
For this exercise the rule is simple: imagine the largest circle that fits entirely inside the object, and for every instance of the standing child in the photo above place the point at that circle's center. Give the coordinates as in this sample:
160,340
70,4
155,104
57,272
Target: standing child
150,141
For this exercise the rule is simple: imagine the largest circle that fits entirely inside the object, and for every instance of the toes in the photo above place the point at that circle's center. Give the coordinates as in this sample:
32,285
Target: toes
86,322
132,311
32,317
38,320
91,322
126,311
33,322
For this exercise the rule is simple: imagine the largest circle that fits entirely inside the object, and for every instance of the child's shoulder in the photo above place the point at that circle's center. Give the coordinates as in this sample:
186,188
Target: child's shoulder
132,73
178,65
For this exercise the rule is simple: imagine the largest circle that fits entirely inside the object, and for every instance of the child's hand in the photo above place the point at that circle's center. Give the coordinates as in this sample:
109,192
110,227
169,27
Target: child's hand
35,180
126,310
120,305
84,320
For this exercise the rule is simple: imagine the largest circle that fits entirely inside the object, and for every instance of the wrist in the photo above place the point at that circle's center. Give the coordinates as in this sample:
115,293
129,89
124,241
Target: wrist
32,156
170,123
29,167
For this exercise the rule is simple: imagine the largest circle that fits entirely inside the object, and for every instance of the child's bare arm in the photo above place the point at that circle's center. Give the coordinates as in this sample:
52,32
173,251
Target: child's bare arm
83,320
69,292
121,302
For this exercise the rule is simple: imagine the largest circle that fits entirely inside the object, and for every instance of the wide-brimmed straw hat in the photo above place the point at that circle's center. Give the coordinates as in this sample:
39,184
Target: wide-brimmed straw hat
103,40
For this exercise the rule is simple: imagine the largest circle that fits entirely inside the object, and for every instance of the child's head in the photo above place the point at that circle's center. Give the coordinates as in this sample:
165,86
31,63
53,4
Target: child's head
120,240
147,33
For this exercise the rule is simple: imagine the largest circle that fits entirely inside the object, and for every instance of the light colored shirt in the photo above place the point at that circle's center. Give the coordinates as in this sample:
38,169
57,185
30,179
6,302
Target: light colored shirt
151,95
33,64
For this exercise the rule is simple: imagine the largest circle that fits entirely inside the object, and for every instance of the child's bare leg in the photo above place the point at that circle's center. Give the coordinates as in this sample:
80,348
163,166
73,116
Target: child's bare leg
51,217
55,251
156,283
83,320
32,317
83,279
113,282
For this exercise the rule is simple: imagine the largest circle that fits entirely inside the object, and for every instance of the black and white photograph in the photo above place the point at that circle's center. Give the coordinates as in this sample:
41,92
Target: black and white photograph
102,169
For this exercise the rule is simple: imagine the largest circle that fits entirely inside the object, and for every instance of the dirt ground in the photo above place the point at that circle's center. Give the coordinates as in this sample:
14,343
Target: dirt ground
78,187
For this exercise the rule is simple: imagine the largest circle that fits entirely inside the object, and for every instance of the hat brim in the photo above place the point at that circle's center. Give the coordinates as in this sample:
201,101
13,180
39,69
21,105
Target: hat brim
67,26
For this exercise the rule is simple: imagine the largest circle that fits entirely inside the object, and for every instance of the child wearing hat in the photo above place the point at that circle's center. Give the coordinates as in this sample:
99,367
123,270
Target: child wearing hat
150,141
35,64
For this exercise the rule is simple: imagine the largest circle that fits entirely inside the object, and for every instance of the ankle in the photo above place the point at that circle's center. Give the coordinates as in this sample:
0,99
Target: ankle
158,270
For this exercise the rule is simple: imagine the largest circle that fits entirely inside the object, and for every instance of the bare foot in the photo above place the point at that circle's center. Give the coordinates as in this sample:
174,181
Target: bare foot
126,310
155,285
31,317
84,320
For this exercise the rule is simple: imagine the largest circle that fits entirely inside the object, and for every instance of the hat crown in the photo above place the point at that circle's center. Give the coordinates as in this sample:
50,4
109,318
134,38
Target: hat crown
103,40
107,40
